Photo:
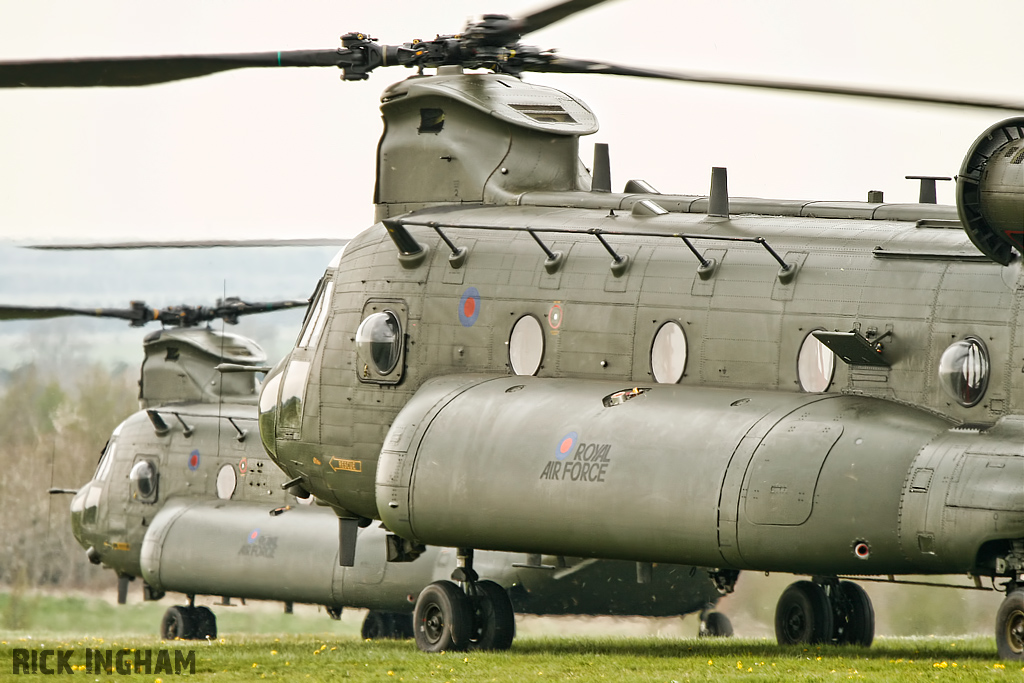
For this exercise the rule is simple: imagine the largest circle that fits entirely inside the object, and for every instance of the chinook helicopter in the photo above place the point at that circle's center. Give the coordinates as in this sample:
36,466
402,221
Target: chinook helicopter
515,357
185,498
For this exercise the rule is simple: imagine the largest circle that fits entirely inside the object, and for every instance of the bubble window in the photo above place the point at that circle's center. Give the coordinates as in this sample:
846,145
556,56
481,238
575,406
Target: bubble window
143,478
815,365
526,346
379,340
963,371
668,353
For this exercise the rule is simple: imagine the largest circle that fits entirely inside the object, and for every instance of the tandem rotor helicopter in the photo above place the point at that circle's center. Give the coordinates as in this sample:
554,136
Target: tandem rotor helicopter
185,498
516,358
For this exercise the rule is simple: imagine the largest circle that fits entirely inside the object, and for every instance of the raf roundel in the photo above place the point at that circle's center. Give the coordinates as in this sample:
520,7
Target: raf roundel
565,445
555,316
253,535
193,460
469,307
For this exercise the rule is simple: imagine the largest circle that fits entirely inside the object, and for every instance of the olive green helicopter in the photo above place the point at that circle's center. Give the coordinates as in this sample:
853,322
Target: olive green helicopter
516,358
185,498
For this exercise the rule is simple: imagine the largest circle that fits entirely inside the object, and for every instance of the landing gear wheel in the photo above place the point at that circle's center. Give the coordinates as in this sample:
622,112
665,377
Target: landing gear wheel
401,626
177,623
204,623
376,626
494,622
1010,627
715,625
387,626
853,616
803,615
443,619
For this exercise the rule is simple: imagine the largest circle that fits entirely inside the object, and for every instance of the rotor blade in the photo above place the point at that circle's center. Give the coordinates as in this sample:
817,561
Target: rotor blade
193,244
176,316
235,307
133,71
581,66
546,17
42,312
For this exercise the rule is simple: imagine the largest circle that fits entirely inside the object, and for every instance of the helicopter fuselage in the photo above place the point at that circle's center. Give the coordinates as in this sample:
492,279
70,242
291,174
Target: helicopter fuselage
880,471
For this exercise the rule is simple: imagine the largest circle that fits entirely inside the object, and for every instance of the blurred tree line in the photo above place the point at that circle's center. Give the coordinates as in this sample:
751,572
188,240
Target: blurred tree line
55,419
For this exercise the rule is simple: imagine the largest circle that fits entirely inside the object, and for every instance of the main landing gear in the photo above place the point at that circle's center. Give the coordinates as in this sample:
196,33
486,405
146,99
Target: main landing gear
714,624
476,616
824,611
188,622
1010,624
387,626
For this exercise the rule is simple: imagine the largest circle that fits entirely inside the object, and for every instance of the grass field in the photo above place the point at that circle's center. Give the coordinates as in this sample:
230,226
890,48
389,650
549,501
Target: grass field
262,643
323,657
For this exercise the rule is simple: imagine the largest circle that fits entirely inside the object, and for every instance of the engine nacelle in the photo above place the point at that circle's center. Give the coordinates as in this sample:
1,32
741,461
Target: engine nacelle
990,191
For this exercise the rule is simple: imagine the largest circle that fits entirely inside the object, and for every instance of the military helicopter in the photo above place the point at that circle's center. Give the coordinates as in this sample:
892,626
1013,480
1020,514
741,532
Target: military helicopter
185,497
516,358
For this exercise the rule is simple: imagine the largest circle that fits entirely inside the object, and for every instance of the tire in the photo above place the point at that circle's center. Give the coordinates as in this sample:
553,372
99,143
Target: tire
803,615
715,625
494,622
176,624
442,619
1010,627
204,623
853,616
376,626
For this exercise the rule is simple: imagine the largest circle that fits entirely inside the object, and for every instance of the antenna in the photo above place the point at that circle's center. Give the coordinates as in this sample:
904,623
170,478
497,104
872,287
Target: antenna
220,376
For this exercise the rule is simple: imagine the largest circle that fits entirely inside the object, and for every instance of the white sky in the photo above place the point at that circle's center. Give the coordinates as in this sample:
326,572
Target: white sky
290,152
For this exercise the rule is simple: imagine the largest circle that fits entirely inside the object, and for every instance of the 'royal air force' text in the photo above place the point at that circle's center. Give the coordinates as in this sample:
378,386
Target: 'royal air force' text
589,463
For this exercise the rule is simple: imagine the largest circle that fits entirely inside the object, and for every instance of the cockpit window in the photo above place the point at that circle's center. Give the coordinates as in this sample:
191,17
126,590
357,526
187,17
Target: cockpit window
292,392
317,318
107,459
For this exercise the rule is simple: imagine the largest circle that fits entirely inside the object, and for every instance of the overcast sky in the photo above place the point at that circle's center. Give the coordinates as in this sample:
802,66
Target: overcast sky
290,152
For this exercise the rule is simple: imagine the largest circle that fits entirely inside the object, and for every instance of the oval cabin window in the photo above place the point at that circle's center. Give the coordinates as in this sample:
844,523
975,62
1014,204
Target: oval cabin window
226,481
526,346
668,354
815,365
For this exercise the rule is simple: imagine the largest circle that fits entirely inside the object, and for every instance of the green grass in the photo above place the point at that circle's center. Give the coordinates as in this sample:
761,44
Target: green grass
73,615
258,642
302,658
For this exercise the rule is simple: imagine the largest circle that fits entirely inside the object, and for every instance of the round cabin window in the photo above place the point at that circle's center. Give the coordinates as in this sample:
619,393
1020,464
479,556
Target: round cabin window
815,365
526,346
379,339
226,481
963,371
668,353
